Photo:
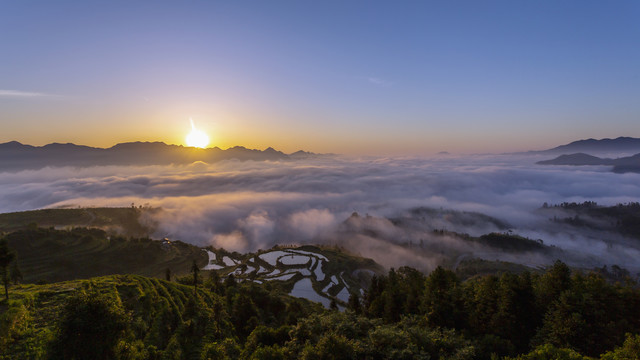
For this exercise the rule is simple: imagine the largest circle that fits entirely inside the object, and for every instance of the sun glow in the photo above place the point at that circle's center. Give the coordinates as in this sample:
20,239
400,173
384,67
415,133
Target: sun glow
197,138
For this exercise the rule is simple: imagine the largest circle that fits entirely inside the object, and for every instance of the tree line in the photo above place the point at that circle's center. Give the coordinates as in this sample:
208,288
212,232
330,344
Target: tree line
405,314
511,314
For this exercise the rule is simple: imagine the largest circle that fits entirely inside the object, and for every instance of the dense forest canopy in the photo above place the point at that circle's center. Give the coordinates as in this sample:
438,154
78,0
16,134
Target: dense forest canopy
405,314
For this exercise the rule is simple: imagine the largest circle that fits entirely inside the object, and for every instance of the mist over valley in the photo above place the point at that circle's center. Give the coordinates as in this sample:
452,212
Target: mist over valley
420,212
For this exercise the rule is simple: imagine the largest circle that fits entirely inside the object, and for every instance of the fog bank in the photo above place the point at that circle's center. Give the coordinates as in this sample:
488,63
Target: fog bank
246,206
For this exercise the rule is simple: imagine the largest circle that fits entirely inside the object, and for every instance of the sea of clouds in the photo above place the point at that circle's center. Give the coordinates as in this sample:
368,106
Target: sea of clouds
245,206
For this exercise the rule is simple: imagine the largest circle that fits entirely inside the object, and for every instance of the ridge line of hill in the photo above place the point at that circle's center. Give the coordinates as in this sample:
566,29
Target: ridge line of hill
620,165
15,156
619,144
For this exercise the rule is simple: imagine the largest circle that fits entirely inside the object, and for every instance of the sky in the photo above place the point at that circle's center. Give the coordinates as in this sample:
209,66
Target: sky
351,77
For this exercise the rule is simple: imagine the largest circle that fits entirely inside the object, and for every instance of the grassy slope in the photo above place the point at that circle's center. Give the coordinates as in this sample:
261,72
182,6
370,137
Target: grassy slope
125,221
57,255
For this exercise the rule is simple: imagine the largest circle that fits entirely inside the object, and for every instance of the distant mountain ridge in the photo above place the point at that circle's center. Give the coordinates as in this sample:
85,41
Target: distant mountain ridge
16,156
620,165
621,145
577,159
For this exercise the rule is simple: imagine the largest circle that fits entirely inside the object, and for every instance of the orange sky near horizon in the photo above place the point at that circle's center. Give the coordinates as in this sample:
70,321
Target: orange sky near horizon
227,125
374,78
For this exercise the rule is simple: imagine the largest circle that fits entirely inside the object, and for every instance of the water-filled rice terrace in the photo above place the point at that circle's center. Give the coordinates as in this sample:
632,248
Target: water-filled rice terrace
317,274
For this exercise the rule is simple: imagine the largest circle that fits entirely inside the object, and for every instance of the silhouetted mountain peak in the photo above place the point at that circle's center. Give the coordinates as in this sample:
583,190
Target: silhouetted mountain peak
619,144
13,145
65,147
14,155
273,152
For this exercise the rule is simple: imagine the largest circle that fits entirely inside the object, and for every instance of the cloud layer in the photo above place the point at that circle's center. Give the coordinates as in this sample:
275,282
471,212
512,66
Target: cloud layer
21,94
246,206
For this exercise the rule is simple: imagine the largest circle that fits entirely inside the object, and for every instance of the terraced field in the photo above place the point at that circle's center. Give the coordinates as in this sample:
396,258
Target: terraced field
123,221
317,274
49,255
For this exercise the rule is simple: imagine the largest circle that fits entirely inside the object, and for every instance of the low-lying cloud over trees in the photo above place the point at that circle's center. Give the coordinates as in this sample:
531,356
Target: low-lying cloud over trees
256,204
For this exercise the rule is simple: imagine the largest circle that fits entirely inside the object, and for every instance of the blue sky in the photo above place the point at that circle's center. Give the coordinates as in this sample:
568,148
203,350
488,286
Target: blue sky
362,77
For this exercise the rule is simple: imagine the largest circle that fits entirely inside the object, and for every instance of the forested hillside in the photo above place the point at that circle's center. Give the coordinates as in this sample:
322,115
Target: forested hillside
403,315
620,218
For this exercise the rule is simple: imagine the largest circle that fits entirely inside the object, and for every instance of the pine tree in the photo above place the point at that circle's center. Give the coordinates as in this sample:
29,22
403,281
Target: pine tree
14,273
214,281
333,305
6,257
354,303
195,270
439,302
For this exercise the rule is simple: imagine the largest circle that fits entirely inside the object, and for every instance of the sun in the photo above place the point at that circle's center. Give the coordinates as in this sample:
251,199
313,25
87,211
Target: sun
197,138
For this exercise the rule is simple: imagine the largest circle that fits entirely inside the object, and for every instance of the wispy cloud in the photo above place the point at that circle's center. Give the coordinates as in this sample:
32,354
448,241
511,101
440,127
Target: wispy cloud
378,81
23,94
